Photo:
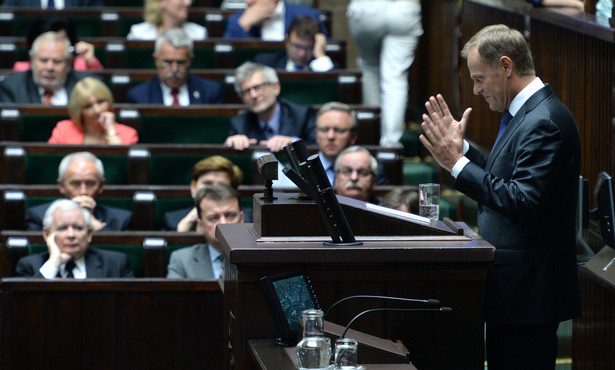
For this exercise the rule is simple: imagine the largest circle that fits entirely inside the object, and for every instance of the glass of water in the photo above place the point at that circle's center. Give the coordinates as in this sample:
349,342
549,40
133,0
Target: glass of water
345,353
429,200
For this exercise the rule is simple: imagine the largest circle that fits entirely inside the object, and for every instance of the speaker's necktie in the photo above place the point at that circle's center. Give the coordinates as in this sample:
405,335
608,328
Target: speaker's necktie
503,124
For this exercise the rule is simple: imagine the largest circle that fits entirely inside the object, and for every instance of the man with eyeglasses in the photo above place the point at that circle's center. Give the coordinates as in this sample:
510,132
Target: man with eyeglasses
174,86
216,204
50,79
305,49
270,121
355,174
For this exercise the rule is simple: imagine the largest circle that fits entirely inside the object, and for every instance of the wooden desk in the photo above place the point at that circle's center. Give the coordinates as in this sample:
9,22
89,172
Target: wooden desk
449,268
268,356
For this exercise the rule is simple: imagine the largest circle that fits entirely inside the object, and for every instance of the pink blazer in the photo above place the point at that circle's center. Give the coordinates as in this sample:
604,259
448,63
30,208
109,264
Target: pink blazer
67,132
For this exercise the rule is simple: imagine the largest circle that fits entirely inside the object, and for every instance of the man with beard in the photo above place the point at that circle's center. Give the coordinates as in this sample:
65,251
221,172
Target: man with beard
270,121
50,79
174,84
355,174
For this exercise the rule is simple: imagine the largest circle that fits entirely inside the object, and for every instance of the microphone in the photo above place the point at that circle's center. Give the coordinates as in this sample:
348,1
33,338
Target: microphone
441,309
431,302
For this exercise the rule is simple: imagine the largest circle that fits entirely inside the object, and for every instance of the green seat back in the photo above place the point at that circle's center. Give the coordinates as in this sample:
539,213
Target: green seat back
38,127
419,173
183,129
177,169
310,91
86,26
134,253
43,168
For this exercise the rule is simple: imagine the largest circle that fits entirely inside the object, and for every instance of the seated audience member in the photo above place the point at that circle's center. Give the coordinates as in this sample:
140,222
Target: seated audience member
206,172
216,204
269,121
67,230
81,177
174,84
305,49
50,4
267,20
51,78
92,120
402,199
84,52
355,174
160,15
336,129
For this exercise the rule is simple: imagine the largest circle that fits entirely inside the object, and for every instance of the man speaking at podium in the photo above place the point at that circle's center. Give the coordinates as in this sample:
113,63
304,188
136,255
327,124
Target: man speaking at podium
526,192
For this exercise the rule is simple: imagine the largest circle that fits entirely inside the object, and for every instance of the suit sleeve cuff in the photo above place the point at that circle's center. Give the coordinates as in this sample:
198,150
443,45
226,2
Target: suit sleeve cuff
461,163
321,64
48,270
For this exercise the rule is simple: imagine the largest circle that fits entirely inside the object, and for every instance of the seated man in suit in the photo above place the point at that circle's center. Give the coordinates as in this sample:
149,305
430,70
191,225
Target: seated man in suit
305,49
269,121
81,177
336,130
174,84
68,233
267,20
216,204
50,79
355,174
206,172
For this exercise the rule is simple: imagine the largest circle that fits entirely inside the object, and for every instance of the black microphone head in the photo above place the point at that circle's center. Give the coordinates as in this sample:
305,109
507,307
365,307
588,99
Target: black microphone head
446,309
433,302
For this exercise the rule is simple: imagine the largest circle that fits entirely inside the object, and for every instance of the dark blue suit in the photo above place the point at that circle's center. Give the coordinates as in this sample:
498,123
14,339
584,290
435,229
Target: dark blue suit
116,219
295,120
291,11
201,91
526,192
99,263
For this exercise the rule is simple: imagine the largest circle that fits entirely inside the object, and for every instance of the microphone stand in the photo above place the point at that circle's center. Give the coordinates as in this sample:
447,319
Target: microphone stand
441,309
430,302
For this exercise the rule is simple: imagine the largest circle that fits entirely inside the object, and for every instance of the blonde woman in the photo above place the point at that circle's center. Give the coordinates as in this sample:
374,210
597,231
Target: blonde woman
162,14
92,120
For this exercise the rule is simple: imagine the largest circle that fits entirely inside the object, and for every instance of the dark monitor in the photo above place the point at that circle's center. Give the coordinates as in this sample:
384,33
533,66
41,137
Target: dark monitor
605,213
288,295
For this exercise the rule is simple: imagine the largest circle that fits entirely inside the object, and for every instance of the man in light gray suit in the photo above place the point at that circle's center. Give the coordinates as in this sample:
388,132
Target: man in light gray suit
215,204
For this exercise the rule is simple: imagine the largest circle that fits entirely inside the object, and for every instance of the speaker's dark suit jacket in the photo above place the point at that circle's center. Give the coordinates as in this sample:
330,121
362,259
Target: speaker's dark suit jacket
295,120
291,11
99,263
67,3
527,191
277,60
201,91
20,88
116,219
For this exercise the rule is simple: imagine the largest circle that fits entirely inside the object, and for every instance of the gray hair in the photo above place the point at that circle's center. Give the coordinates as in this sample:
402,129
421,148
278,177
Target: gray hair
175,37
77,156
496,41
51,36
373,163
335,105
65,205
247,69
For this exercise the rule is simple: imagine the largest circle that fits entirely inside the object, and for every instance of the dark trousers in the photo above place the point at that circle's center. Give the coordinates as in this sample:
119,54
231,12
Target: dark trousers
521,346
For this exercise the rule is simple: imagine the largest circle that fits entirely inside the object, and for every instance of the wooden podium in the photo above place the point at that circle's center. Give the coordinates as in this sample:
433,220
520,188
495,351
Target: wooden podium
402,256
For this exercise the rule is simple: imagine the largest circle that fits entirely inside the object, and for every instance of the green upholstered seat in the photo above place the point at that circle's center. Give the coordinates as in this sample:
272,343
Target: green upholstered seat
183,129
43,168
177,169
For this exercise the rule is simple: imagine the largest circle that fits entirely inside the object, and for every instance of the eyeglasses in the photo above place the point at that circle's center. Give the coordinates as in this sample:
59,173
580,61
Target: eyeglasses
362,172
168,64
336,130
256,88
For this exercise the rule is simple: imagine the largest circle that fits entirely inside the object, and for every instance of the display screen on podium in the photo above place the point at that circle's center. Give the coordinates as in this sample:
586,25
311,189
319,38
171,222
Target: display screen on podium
288,295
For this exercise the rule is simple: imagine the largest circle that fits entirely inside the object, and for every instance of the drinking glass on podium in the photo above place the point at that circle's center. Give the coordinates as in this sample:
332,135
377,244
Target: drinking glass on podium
429,200
345,353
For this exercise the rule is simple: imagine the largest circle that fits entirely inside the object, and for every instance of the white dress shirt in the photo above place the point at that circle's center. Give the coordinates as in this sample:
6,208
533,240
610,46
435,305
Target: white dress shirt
49,271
